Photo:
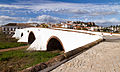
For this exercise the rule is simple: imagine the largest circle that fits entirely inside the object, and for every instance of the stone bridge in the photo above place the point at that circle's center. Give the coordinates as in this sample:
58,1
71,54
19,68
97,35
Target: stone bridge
52,39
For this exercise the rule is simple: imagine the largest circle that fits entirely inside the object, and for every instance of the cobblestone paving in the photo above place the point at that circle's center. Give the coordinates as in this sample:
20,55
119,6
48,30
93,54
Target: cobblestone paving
104,57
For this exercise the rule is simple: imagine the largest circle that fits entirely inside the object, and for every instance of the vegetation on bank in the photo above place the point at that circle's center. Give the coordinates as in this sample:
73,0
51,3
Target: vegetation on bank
5,45
7,42
13,61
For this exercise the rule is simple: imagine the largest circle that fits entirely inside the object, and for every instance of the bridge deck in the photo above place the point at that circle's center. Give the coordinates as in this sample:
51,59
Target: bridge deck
71,30
104,57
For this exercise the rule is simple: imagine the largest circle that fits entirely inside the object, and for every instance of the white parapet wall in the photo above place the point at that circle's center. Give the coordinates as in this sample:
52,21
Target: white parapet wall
42,38
92,32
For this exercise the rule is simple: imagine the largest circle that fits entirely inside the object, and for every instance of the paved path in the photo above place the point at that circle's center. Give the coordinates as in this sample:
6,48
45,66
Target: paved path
104,57
15,48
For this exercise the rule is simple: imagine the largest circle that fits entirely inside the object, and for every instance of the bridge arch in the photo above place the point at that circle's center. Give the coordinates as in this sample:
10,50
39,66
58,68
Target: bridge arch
54,43
21,34
31,38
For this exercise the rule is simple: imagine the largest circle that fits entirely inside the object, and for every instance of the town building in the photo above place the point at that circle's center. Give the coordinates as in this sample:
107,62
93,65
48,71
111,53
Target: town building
80,25
70,26
11,27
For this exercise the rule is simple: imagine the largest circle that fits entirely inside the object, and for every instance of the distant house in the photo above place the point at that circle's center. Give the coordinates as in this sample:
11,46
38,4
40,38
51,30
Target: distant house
94,28
64,25
11,27
67,26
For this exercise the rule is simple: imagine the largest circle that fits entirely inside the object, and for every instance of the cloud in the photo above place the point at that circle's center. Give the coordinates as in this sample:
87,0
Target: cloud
46,19
104,13
78,11
108,21
77,8
7,19
74,11
61,7
39,19
12,6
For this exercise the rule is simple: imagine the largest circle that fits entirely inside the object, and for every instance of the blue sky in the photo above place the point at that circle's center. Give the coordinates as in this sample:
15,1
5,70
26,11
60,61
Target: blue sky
102,12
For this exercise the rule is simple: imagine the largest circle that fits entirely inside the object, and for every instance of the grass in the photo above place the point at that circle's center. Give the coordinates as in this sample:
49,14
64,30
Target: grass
4,45
7,42
20,59
17,60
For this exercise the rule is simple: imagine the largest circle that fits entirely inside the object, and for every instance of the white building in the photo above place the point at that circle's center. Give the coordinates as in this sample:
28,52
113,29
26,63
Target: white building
11,27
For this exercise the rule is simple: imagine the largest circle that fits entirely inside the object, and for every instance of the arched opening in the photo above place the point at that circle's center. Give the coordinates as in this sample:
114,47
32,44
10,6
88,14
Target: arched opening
31,38
54,44
21,34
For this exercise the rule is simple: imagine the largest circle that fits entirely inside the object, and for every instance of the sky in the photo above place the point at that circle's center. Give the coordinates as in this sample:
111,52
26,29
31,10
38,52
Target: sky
102,12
